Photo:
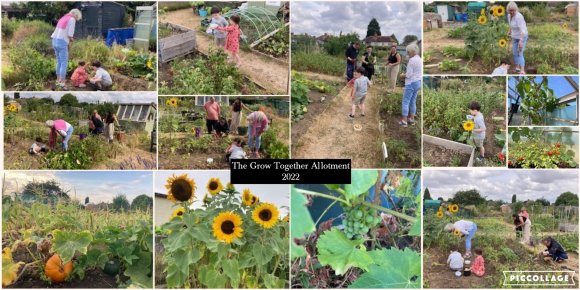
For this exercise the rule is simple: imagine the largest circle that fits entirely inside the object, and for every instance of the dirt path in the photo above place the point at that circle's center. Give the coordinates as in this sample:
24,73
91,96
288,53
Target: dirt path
331,134
322,77
266,72
440,39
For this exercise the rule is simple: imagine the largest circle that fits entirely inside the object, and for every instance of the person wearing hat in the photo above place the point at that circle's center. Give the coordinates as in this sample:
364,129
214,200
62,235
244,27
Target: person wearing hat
62,128
466,229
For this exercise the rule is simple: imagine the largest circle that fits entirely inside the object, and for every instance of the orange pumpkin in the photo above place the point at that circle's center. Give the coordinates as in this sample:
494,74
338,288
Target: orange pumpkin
56,271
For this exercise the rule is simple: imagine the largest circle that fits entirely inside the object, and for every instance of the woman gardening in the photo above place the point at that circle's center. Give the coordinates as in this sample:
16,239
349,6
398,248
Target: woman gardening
62,37
519,32
62,128
257,124
465,229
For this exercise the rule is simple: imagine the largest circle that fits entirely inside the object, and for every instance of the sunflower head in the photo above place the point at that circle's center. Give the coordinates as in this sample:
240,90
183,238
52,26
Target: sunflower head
439,214
178,213
565,25
255,200
171,102
482,19
454,208
502,42
230,187
247,197
214,186
457,232
468,126
227,226
266,215
180,188
499,11
11,108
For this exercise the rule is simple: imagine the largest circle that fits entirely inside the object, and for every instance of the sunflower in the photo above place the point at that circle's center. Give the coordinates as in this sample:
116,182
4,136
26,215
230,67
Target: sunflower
266,215
482,12
180,188
468,126
214,186
440,214
247,197
11,108
499,11
502,42
230,187
255,200
171,102
227,226
454,208
178,213
457,232
565,25
482,19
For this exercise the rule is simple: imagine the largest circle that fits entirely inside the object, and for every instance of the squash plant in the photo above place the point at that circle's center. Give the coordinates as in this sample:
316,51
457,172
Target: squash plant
357,243
232,241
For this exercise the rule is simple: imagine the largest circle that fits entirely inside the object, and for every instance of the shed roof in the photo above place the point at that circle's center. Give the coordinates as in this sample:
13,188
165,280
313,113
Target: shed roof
378,38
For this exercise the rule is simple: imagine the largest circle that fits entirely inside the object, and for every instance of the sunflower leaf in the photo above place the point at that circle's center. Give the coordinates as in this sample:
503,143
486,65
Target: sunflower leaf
211,278
416,229
340,253
361,181
66,244
391,269
138,272
232,269
273,282
302,222
262,254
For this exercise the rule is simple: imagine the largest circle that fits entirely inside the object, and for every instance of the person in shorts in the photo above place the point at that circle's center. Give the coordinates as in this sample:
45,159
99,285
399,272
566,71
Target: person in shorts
478,133
359,92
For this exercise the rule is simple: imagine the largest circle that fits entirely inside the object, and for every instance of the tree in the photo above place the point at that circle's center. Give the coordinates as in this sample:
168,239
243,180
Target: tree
373,28
47,191
426,194
337,45
69,100
142,202
395,38
468,197
514,198
440,198
542,201
567,198
87,200
120,203
409,38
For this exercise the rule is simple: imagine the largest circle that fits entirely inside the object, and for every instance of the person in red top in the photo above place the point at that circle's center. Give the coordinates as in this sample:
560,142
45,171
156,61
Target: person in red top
233,39
80,75
212,110
478,267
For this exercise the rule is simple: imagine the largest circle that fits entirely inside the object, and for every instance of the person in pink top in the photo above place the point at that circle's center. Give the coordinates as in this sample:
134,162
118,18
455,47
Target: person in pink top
62,128
62,37
257,124
212,110
478,268
80,75
233,39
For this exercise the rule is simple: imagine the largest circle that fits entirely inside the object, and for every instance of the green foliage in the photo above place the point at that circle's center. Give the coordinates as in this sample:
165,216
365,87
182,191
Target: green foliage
30,68
529,149
80,155
66,244
142,202
403,268
448,65
8,27
567,198
89,50
68,100
373,28
337,45
482,41
537,99
452,51
318,63
341,253
302,224
120,203
277,44
468,197
138,65
459,32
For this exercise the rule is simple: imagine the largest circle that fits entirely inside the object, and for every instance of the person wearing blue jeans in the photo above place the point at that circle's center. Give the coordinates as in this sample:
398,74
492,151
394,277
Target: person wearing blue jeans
69,134
518,53
254,140
61,51
257,124
463,228
412,86
62,38
518,30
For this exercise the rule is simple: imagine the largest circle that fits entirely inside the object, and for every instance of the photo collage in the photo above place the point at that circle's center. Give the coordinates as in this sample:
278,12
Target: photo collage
122,119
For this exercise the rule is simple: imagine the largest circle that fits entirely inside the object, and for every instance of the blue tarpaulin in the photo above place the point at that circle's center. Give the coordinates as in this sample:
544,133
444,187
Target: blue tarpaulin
119,35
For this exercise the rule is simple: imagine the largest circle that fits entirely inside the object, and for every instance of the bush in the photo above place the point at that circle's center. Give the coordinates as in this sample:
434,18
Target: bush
40,43
89,50
318,62
80,155
30,67
8,27
27,29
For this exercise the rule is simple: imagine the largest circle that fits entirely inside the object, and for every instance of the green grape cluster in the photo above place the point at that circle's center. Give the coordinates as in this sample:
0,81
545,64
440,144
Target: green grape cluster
359,219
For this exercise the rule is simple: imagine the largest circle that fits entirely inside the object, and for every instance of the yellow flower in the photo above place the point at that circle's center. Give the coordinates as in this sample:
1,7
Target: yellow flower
502,42
150,63
9,267
453,208
286,218
227,226
230,187
247,197
171,102
180,188
255,200
178,213
482,20
482,11
468,126
11,108
440,214
266,215
457,232
565,25
214,186
499,11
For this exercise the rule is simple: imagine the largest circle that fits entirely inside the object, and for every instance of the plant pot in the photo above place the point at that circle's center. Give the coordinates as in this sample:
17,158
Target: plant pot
120,136
242,130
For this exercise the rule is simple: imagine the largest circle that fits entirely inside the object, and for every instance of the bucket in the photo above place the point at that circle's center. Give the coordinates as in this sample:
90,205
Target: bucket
120,136
202,12
242,130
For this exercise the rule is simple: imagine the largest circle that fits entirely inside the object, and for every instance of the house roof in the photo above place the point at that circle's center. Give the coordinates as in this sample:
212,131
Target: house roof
378,38
323,37
159,194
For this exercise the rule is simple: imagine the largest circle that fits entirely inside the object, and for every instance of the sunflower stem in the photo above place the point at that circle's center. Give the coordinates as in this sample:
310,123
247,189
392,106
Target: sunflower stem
390,211
321,195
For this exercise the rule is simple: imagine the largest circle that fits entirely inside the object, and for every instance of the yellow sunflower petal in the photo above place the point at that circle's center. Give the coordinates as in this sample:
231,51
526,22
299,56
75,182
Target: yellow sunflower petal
178,213
180,188
502,43
482,19
439,214
457,232
266,215
214,186
227,226
468,126
247,197
499,11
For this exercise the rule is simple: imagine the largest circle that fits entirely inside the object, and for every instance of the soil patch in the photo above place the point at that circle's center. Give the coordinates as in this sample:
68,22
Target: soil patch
439,156
93,279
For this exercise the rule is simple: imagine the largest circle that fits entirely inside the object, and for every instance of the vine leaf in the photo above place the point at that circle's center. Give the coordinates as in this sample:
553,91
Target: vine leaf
340,253
361,181
9,268
66,244
302,222
139,272
391,269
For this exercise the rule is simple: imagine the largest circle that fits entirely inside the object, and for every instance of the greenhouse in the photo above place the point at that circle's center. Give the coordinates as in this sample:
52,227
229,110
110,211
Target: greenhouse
543,100
258,21
543,147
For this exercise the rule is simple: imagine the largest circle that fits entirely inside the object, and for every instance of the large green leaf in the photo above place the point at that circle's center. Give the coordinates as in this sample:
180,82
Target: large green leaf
262,254
140,272
176,276
302,222
360,182
340,253
211,278
232,269
391,269
273,282
416,229
66,244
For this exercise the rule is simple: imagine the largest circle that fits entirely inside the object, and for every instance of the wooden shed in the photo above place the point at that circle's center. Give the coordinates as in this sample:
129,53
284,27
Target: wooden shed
572,9
505,208
143,116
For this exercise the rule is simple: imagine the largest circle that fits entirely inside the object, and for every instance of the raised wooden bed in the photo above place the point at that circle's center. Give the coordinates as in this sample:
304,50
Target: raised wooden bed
450,145
177,45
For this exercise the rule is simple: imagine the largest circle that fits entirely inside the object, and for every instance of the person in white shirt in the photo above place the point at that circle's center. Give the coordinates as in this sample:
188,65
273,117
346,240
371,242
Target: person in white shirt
455,260
62,37
519,32
502,69
102,80
465,229
412,85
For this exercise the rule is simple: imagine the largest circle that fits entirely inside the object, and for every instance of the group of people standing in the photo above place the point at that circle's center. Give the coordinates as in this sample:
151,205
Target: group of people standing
99,126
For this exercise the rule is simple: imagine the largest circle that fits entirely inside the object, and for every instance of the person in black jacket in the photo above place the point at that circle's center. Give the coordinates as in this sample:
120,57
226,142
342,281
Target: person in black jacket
368,63
351,56
554,250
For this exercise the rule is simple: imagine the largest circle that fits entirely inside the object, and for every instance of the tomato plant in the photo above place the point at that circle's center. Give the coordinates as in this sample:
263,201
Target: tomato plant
529,148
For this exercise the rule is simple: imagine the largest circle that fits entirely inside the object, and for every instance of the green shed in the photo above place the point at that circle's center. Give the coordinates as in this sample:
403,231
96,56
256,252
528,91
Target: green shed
475,7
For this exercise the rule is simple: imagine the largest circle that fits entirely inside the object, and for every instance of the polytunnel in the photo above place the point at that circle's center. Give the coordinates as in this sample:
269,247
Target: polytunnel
256,23
545,101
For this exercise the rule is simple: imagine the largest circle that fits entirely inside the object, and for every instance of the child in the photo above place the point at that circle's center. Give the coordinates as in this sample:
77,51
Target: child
80,75
102,79
236,150
233,39
222,127
519,226
554,250
455,260
220,21
502,69
478,268
359,92
37,147
478,133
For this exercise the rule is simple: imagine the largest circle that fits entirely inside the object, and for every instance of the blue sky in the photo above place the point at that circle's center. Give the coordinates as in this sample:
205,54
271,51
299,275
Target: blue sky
99,186
559,84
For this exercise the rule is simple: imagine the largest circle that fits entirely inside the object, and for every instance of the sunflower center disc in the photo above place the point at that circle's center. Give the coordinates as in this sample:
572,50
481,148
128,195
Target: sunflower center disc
179,213
228,227
213,186
181,190
265,215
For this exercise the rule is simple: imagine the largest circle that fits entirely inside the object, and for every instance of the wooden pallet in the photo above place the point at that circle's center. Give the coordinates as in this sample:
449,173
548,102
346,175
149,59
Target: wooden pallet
177,45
